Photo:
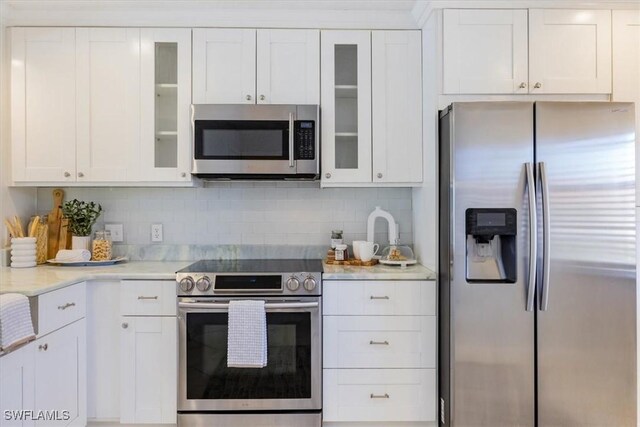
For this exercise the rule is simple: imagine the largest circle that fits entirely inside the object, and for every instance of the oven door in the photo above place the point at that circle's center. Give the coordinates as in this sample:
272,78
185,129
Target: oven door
290,381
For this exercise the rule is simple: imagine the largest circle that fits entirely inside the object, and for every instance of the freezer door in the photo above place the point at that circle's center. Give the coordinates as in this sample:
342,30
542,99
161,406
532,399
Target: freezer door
486,335
586,323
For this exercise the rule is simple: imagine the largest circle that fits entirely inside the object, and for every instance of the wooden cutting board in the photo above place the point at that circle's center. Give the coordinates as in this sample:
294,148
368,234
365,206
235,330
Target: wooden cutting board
54,220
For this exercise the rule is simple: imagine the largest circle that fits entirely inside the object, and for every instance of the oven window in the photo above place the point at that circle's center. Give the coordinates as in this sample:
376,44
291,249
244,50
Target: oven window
241,140
286,376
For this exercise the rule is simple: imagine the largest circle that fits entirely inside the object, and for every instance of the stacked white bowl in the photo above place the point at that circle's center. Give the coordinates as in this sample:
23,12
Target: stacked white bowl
23,252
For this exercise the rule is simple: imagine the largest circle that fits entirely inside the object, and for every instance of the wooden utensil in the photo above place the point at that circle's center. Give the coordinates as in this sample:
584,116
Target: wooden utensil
53,220
18,226
10,228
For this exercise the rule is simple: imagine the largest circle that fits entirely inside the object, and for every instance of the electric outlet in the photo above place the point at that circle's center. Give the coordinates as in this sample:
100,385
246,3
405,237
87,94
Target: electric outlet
156,232
116,230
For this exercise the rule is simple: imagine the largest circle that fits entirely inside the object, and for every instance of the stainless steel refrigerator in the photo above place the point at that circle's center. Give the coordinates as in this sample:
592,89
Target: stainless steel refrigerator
537,264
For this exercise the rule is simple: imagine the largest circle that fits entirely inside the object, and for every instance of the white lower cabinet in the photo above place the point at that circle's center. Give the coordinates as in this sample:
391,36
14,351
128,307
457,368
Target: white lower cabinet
379,395
379,352
60,376
16,386
148,352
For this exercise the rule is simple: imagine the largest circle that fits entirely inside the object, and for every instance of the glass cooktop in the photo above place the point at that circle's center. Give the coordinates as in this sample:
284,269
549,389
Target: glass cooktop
255,266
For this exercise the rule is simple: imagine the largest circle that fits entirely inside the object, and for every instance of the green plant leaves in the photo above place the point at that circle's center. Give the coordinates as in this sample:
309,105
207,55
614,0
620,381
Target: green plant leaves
81,216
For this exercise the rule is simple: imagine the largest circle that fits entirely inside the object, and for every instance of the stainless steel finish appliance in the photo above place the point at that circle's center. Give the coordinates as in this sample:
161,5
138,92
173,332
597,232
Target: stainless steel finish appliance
288,391
256,141
537,275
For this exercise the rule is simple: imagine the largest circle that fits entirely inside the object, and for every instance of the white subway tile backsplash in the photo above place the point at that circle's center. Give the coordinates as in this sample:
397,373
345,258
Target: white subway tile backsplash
245,213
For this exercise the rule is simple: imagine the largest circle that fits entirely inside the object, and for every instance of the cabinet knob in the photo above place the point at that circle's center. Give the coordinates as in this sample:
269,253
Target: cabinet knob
67,174
125,325
80,174
538,85
248,97
379,175
183,175
261,97
522,85
327,175
42,347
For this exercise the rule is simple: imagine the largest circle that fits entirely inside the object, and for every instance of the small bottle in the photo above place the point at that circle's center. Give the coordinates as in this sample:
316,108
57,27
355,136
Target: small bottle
101,248
336,238
341,253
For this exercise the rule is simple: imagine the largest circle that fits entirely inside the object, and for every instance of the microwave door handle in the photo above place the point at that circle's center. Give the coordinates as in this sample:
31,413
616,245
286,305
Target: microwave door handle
291,135
225,306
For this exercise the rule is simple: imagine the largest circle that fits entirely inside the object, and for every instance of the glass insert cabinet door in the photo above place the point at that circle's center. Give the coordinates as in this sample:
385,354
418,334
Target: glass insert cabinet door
166,87
288,374
346,106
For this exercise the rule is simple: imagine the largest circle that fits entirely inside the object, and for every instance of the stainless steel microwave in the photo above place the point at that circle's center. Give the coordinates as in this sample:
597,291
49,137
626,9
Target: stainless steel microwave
255,141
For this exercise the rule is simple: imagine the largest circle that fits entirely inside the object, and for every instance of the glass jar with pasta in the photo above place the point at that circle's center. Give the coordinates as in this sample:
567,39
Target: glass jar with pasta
101,247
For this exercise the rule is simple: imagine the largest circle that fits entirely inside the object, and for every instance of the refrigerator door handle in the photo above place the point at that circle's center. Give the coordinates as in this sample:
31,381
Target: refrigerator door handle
546,232
533,232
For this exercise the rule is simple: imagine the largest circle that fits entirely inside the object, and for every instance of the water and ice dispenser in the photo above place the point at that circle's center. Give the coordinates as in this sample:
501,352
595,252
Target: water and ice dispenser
491,245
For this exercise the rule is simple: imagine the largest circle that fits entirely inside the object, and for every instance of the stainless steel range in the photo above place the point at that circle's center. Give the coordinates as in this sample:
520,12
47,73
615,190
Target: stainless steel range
288,391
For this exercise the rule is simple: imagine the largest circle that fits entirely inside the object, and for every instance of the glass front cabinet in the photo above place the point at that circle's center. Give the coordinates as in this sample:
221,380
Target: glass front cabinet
166,100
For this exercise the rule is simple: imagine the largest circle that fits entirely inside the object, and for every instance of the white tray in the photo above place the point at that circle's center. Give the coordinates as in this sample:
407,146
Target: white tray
87,263
402,263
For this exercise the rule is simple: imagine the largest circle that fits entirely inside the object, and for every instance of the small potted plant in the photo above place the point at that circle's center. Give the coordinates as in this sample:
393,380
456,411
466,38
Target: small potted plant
81,216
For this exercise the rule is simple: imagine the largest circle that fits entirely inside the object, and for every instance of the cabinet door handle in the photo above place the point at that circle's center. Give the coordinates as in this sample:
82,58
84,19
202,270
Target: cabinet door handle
67,305
375,297
248,97
378,342
327,175
538,85
42,347
67,174
125,325
379,175
379,396
143,297
261,97
183,174
522,85
80,175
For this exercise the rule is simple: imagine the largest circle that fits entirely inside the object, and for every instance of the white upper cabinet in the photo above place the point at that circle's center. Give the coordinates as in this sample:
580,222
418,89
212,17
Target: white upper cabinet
224,66
569,51
485,51
43,104
288,67
626,56
165,132
397,106
346,106
108,104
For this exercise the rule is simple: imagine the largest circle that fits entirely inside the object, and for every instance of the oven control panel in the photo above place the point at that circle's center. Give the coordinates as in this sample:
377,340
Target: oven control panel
210,284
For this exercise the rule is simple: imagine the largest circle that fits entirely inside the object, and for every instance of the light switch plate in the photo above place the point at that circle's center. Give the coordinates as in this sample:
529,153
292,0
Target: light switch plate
116,230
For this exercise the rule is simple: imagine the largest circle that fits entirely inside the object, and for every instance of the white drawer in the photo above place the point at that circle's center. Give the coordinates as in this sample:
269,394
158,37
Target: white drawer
386,298
379,342
61,307
383,395
148,298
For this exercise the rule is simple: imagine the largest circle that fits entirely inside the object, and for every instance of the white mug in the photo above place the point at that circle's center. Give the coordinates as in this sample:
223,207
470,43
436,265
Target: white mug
356,248
368,250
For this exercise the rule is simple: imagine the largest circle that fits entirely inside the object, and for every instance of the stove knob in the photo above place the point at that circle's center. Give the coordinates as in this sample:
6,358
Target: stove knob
203,284
309,283
187,284
293,284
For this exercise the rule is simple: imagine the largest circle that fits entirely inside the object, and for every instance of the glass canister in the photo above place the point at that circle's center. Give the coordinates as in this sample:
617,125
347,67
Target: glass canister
101,247
42,240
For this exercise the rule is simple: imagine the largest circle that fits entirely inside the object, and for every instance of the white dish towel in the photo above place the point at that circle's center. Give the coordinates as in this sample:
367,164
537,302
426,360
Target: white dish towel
16,327
73,255
247,335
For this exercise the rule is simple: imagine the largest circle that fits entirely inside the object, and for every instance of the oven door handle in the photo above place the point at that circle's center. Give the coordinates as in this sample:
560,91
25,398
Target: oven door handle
267,306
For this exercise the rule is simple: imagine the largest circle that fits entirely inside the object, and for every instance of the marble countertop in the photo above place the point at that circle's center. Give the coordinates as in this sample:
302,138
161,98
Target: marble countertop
46,278
377,272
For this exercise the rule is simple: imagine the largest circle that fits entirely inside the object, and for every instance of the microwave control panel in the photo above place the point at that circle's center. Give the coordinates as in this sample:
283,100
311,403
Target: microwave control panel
305,140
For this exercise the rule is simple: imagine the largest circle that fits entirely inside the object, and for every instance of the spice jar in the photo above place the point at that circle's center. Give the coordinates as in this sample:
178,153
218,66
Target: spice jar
341,253
336,238
101,248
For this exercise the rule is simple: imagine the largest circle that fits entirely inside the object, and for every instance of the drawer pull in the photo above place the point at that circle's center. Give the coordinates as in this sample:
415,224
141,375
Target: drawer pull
379,396
67,305
43,347
375,297
143,297
379,342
